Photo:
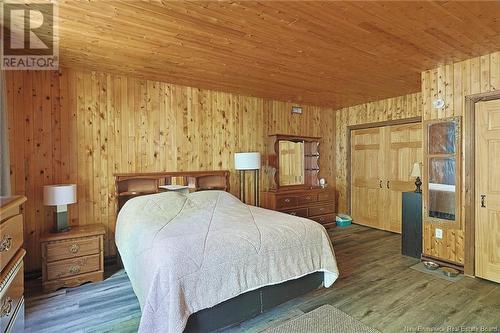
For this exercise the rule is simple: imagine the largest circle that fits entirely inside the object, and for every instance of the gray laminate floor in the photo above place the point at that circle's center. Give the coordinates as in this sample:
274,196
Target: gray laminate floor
376,287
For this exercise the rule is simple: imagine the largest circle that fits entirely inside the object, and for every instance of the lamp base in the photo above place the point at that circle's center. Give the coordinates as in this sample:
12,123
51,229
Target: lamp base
56,231
418,184
61,222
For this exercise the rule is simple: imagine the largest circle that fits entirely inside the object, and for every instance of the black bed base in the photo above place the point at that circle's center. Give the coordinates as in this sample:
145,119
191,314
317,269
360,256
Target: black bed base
251,304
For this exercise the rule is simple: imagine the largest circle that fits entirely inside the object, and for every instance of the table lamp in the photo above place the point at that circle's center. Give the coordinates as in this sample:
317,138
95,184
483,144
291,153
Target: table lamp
248,161
416,173
61,196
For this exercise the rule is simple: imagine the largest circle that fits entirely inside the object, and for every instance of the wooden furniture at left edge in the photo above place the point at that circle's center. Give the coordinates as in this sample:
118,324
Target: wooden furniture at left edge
11,265
72,258
129,185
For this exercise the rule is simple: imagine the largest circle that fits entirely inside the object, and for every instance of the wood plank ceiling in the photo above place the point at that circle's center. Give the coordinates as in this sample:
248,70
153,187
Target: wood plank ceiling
324,53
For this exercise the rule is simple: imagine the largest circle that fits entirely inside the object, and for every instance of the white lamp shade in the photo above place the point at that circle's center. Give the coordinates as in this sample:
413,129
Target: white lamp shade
247,161
415,172
61,194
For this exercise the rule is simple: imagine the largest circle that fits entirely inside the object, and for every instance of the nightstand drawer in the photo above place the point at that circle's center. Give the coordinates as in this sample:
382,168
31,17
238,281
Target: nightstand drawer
320,210
302,212
11,299
72,267
72,248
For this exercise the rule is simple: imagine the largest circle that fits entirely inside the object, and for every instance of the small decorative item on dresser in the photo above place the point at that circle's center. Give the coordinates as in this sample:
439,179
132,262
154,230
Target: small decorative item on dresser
416,173
60,196
72,258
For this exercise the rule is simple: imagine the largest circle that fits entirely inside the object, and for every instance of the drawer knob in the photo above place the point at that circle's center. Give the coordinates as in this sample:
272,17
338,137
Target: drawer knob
74,248
6,243
74,269
293,213
287,200
322,218
6,308
308,198
321,209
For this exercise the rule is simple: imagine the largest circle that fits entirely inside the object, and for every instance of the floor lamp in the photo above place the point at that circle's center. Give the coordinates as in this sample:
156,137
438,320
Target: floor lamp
244,162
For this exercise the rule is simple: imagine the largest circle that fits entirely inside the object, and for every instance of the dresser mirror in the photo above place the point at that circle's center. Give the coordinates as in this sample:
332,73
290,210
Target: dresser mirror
291,162
443,176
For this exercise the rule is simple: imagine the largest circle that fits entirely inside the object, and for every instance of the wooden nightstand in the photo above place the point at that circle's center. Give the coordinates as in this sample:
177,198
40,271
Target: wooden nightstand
72,258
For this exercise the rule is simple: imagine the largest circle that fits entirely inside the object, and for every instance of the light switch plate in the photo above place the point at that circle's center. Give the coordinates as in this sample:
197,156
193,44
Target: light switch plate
439,233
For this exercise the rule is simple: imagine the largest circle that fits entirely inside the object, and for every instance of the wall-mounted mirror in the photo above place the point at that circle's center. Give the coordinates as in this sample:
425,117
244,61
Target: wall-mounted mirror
291,163
443,177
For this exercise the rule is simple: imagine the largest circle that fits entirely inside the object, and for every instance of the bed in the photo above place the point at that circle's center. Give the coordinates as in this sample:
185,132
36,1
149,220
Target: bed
204,257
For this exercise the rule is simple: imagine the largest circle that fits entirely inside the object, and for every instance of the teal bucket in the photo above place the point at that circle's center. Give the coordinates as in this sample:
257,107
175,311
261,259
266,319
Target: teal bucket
343,220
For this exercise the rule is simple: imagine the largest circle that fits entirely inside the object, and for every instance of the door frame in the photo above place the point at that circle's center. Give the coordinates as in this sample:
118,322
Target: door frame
470,173
351,128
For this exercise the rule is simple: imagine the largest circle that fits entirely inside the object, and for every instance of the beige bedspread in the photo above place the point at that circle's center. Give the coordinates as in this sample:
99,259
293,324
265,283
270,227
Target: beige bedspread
185,253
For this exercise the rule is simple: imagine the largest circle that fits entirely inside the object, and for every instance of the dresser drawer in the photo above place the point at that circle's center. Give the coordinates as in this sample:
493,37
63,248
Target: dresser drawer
285,202
305,199
73,267
11,299
328,218
321,210
302,212
11,239
326,196
72,248
17,322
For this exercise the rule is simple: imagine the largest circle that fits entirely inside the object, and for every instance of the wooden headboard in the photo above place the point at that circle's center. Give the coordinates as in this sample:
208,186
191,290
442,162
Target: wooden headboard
129,185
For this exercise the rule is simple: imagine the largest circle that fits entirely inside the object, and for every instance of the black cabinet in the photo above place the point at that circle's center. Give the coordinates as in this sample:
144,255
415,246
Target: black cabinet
411,236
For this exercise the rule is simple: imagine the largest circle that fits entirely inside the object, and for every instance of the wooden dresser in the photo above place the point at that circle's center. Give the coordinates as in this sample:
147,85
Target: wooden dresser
292,164
11,265
72,258
317,204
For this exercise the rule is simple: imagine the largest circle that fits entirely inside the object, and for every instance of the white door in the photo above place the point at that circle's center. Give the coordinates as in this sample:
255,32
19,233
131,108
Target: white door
487,201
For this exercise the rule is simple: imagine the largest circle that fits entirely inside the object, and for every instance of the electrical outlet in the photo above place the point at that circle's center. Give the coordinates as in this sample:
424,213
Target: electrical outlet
439,233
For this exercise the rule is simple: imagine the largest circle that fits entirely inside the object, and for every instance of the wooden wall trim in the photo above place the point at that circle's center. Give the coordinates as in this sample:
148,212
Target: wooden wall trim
386,123
469,181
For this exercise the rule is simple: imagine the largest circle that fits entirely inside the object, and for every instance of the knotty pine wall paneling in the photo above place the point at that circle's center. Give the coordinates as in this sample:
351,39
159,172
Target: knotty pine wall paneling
402,107
78,126
314,121
453,82
35,134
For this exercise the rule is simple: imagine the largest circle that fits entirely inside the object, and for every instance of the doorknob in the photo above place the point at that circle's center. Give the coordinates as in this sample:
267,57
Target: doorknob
380,184
483,203
388,183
